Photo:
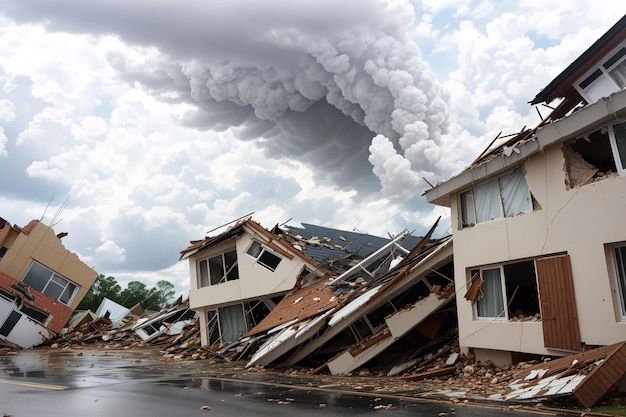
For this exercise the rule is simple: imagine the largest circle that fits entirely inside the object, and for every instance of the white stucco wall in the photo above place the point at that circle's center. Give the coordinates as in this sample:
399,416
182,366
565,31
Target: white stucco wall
580,221
254,279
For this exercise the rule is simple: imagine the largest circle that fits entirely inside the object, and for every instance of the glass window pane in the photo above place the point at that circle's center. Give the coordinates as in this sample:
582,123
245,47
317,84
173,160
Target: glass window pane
53,290
491,304
620,141
203,273
254,249
37,276
467,209
515,195
67,295
214,330
269,260
216,268
619,254
230,261
59,280
487,201
619,74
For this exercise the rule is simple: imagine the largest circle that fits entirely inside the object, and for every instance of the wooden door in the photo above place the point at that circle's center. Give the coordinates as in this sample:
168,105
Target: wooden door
558,304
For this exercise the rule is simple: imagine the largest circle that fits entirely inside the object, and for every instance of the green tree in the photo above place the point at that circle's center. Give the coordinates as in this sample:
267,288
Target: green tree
160,295
101,288
135,292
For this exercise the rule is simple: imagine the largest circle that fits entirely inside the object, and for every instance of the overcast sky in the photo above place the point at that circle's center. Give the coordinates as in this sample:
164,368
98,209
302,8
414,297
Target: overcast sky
137,126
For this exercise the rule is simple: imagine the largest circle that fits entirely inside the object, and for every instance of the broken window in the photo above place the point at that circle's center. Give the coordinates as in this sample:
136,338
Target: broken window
618,254
306,278
218,269
595,155
504,196
608,77
226,324
508,291
264,256
50,283
34,314
257,311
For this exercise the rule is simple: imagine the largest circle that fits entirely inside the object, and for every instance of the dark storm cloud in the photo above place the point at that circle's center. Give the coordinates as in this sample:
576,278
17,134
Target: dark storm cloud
316,81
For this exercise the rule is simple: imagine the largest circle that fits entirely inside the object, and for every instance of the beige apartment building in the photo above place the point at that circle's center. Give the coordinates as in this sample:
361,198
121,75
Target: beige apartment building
539,222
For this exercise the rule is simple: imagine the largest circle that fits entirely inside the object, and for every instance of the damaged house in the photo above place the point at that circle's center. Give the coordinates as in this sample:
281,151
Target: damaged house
349,296
309,293
538,221
41,283
239,275
342,322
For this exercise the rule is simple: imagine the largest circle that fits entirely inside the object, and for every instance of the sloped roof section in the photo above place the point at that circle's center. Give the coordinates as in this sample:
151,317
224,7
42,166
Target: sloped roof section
304,303
207,242
336,249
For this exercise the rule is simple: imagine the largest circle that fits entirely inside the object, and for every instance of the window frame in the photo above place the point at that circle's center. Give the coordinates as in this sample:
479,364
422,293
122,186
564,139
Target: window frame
226,275
502,316
53,280
618,266
584,85
517,290
467,195
263,252
618,158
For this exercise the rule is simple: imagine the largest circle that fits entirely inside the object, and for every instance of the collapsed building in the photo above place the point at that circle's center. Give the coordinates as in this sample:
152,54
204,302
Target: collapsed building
539,232
341,298
41,283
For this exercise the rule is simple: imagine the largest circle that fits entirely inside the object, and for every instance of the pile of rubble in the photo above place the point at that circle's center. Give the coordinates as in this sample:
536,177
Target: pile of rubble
173,326
433,370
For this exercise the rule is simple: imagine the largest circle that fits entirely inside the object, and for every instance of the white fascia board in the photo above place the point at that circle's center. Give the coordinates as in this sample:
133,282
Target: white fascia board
584,120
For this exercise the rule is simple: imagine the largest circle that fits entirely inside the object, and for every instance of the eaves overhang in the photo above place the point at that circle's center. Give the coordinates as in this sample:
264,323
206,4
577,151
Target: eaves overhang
587,119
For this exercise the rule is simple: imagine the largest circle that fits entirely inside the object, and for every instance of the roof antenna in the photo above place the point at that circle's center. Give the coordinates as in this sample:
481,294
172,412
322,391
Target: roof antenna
56,219
47,206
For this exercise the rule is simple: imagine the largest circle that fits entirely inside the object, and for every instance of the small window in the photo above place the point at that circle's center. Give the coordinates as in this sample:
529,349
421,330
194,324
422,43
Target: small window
606,78
3,250
36,315
505,196
507,291
618,253
50,283
218,269
263,256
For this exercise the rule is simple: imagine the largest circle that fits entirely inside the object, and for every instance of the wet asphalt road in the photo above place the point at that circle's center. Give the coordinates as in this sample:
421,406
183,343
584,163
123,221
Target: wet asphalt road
118,384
